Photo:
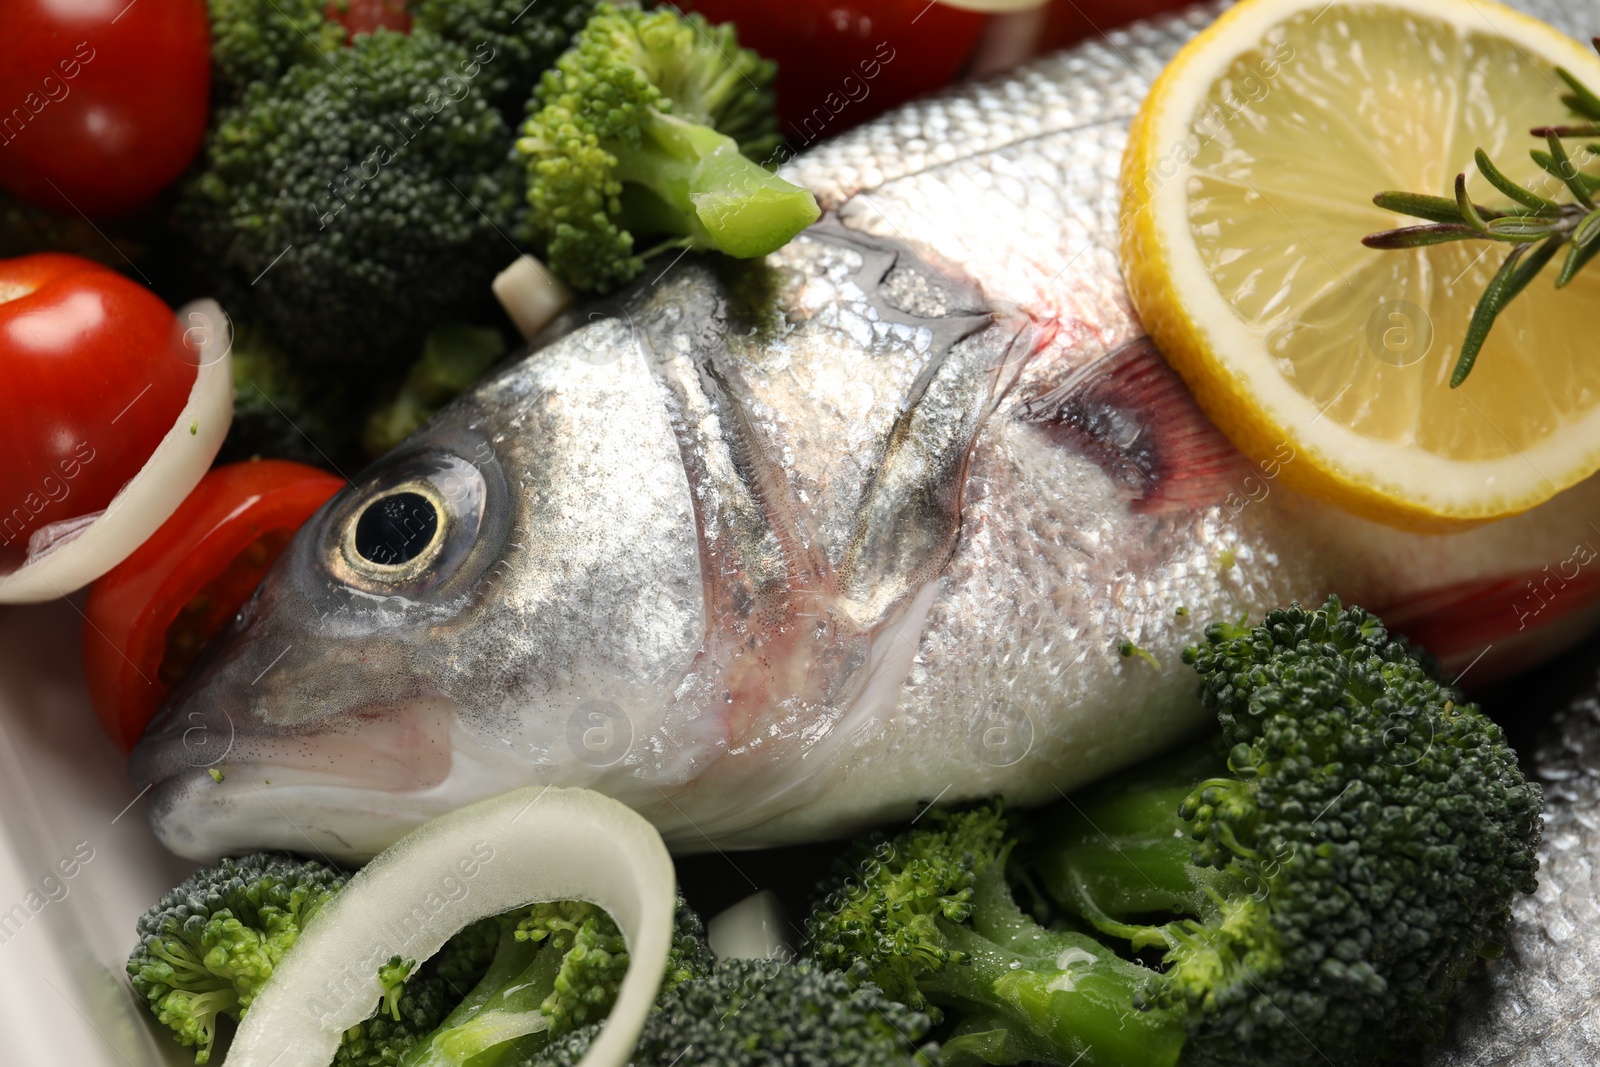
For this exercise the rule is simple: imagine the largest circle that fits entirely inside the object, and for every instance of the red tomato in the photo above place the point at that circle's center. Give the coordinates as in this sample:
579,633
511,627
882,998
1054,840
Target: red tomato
148,618
841,63
364,16
93,375
1070,21
102,102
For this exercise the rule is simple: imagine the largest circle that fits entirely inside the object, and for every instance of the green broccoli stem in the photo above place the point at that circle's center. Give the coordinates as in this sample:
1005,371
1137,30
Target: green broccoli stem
1059,996
393,977
1120,849
687,179
504,1006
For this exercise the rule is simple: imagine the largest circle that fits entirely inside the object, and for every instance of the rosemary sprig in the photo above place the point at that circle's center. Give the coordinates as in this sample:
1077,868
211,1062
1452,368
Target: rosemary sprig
1535,226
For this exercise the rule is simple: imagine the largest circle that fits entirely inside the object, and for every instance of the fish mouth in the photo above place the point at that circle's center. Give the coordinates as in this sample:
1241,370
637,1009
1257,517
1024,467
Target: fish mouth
202,819
345,789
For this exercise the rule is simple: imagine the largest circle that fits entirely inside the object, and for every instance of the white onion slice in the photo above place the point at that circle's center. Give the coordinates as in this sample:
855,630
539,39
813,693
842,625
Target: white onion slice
151,496
531,296
1008,40
756,928
543,844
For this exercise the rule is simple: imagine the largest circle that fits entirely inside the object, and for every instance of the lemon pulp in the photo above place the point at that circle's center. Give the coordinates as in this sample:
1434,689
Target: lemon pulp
1278,126
1279,203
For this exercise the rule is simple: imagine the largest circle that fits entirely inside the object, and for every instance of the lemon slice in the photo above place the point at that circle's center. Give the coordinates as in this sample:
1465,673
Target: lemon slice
1248,184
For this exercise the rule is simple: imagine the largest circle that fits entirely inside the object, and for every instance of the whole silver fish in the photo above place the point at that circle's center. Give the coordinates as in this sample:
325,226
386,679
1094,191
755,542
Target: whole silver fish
773,552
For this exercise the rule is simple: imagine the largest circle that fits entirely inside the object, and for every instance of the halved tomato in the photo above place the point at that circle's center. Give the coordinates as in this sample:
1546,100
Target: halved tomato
91,380
148,618
840,62
365,16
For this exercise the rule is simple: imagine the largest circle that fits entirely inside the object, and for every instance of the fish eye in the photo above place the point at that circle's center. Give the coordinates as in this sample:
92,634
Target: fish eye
395,534
396,529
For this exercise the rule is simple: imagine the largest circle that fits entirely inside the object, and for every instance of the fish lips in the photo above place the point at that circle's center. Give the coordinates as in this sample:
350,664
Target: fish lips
217,787
275,729
271,683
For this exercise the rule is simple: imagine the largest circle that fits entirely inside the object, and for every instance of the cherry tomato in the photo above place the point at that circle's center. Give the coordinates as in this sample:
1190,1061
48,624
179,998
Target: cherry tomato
364,16
102,102
841,63
147,619
93,376
1070,21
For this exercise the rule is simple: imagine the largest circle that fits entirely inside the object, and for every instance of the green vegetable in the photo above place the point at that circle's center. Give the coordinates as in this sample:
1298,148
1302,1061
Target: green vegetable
557,968
640,131
206,948
928,916
25,230
393,975
453,357
416,1000
283,408
524,39
1127,649
751,1013
1535,226
355,201
1331,873
258,40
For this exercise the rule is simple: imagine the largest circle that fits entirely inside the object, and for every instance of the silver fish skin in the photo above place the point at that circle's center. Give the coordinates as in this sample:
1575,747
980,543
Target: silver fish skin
775,552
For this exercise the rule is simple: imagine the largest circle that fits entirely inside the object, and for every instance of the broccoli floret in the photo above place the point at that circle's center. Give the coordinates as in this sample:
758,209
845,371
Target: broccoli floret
644,127
354,202
928,916
416,1000
501,988
26,229
1371,830
206,948
556,969
257,40
751,1013
1327,873
413,1005
523,39
690,953
550,961
593,961
284,408
392,975
454,356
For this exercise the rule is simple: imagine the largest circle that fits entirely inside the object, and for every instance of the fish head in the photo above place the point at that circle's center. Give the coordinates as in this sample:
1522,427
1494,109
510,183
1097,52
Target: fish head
500,601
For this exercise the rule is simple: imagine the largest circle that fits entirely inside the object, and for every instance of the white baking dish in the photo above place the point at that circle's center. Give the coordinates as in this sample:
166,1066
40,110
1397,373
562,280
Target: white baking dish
67,808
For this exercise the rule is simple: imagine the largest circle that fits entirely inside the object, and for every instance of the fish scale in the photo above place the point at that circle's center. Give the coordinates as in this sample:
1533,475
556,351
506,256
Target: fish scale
1101,81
